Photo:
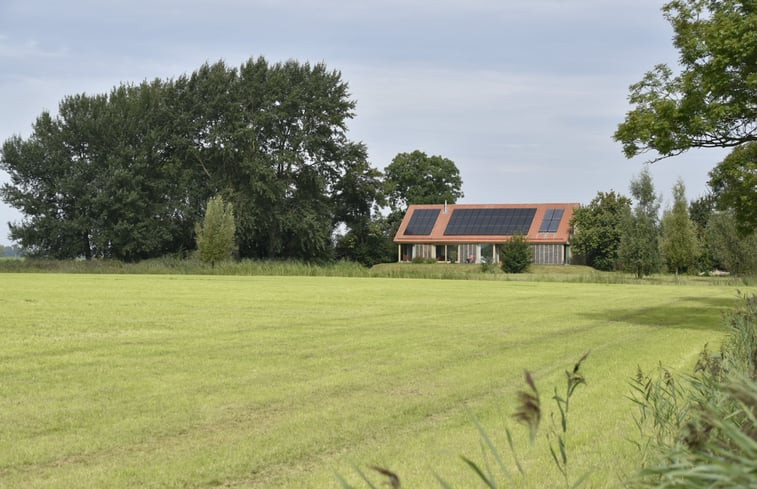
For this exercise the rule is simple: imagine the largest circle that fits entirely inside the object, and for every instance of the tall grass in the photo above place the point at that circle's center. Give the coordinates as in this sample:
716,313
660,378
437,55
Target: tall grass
436,271
700,430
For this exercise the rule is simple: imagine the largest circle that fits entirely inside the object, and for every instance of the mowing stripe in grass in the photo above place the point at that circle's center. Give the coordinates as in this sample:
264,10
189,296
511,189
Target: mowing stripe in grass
164,381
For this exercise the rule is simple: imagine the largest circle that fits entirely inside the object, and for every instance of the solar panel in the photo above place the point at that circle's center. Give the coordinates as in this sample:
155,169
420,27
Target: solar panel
551,220
422,222
490,222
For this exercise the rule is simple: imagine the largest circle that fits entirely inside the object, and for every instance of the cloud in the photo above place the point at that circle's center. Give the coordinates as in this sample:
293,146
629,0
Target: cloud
15,49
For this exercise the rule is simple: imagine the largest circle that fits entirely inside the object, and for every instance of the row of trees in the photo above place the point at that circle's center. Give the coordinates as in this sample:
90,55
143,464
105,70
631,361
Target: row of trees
128,174
711,102
617,232
9,251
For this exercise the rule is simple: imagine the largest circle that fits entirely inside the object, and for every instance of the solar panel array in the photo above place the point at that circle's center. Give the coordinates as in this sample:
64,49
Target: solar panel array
490,222
422,222
551,220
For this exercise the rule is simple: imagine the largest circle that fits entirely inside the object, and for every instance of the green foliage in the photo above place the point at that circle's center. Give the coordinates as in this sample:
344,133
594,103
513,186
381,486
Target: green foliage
701,430
679,244
126,175
736,253
215,235
516,255
416,178
700,211
598,228
711,103
368,244
639,245
734,185
420,260
10,251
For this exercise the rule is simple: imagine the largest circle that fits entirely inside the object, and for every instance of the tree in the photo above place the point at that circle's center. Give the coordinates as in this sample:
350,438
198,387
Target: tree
215,235
9,251
274,137
700,211
734,185
731,249
679,244
516,255
99,179
126,175
712,102
368,245
415,178
639,244
357,198
598,228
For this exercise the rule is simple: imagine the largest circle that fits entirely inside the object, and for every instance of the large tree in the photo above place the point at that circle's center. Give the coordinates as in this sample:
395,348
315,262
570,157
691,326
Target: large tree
679,243
639,244
126,175
712,102
734,185
96,180
416,178
358,197
598,228
731,249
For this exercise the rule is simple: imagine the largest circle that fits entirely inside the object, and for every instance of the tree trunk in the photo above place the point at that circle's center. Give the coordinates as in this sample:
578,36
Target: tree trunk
87,247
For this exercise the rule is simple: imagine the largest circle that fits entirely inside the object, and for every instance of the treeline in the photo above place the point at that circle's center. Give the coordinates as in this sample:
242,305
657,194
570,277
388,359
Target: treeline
10,251
127,175
616,232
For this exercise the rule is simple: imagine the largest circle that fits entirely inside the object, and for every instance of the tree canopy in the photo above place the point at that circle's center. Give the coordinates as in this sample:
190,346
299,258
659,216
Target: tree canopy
712,102
127,174
598,228
734,185
416,178
679,243
639,244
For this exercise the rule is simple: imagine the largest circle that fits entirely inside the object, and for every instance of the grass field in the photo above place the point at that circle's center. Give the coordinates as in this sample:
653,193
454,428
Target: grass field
208,381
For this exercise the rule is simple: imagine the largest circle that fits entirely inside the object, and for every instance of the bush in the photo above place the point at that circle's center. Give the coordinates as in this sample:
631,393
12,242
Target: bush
215,234
516,255
422,260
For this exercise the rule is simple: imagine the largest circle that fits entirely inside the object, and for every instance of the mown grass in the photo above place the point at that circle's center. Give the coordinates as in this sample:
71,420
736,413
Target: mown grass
263,381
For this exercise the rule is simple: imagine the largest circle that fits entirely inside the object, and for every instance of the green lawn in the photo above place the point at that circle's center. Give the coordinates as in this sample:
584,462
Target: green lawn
205,381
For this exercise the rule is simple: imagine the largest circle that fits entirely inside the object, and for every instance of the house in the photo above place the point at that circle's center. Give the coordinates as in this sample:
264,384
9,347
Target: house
472,233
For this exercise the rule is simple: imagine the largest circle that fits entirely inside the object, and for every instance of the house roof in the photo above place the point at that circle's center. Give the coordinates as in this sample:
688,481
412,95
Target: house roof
485,223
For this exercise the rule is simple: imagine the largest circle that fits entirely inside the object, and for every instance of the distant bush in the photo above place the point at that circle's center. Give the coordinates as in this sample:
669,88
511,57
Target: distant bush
516,255
422,260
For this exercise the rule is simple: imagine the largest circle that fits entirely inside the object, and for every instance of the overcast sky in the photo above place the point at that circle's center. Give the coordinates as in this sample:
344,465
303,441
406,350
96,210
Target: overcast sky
523,95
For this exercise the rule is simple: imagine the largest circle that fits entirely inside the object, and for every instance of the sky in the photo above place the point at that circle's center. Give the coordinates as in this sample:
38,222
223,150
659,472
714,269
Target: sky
523,95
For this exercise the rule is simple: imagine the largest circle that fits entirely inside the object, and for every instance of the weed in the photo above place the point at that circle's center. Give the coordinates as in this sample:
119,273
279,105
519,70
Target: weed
528,413
701,429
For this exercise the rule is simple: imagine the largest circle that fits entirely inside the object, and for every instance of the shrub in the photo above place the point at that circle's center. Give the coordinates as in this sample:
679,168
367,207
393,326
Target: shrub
215,235
422,260
516,255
